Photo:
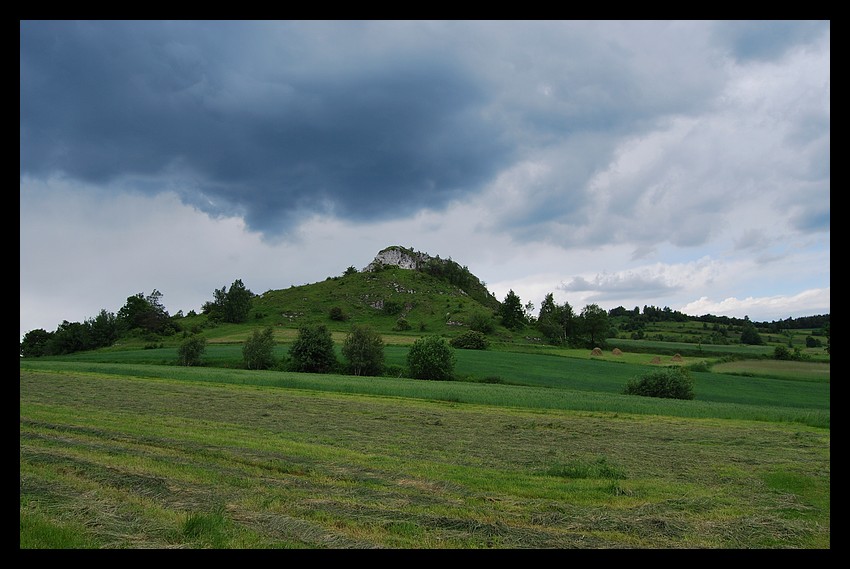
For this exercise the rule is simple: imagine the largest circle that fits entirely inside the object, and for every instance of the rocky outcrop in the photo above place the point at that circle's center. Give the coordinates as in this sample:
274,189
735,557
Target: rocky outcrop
398,257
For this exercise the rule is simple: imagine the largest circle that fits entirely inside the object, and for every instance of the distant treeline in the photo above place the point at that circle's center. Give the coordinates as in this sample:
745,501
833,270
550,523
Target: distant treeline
666,314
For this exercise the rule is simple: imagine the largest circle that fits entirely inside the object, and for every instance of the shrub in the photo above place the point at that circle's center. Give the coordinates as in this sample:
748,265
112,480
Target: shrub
481,323
313,350
402,324
781,353
470,340
392,307
431,357
364,350
670,383
337,314
189,352
258,351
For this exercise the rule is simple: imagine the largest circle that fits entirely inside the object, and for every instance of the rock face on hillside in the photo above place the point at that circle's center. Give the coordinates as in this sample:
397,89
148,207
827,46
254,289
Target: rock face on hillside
399,257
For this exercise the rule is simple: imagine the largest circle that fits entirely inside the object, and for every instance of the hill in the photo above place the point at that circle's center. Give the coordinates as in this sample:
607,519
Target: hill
400,290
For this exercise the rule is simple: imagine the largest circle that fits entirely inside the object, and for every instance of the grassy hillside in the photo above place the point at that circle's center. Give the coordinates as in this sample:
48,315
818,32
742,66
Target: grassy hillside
393,301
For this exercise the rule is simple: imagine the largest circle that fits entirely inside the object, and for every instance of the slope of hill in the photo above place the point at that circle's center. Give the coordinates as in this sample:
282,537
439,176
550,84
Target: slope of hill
416,292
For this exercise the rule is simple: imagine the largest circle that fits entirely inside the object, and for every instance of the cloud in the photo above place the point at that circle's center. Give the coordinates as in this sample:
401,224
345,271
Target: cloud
650,162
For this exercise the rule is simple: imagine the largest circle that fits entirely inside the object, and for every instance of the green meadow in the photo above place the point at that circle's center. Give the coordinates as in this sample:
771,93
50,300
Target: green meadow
529,448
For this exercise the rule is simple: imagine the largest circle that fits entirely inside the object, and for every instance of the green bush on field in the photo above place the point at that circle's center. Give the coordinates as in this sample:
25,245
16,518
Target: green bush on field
258,350
669,383
431,357
471,340
189,352
363,350
313,350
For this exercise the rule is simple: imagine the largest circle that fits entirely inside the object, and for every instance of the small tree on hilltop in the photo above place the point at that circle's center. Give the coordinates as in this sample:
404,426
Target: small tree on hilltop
364,350
258,351
431,357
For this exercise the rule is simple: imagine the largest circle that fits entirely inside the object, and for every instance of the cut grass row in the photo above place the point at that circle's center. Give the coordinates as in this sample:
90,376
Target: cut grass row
167,457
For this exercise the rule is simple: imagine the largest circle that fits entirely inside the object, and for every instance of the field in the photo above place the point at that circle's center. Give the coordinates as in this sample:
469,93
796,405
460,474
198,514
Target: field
535,448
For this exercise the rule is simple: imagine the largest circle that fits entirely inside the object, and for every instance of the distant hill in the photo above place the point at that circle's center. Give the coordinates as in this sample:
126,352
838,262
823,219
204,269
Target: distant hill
400,290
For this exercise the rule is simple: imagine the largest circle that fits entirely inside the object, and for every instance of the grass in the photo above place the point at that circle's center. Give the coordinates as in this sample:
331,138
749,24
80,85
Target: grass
535,447
145,460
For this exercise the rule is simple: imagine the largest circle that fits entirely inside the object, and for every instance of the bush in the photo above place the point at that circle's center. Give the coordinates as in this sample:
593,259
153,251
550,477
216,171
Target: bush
470,340
431,357
313,350
337,314
258,351
189,352
364,350
781,353
481,323
670,383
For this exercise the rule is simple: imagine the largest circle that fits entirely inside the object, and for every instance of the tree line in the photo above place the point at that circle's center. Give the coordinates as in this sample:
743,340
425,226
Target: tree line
141,316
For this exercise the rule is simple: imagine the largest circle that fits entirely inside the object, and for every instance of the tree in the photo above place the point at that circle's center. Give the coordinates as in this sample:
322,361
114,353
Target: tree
313,350
104,329
363,349
258,350
238,303
144,312
189,351
69,337
231,305
594,324
556,322
749,334
35,342
512,312
431,357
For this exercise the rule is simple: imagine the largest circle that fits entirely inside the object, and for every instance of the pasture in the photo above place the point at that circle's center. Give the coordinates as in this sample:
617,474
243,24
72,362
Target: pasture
126,450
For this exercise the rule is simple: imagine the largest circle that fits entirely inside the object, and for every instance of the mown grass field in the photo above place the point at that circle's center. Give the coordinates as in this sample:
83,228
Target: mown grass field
126,450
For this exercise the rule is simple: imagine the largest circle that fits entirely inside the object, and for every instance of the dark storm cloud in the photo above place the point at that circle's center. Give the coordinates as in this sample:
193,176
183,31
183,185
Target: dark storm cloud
263,134
768,39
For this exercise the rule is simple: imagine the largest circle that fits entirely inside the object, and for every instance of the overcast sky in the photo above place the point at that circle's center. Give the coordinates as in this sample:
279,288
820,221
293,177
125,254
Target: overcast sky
619,163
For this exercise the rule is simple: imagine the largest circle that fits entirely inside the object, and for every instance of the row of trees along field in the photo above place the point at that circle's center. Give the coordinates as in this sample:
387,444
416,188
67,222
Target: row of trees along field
558,324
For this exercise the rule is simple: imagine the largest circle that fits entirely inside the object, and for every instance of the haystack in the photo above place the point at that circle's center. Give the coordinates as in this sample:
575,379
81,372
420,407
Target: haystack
656,360
596,352
617,352
676,358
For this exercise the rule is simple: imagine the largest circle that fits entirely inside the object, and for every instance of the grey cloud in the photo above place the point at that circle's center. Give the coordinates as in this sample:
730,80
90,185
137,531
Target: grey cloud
100,102
612,288
364,120
767,39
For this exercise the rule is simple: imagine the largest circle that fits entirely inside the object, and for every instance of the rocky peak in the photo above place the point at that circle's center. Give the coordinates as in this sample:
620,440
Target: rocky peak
397,256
